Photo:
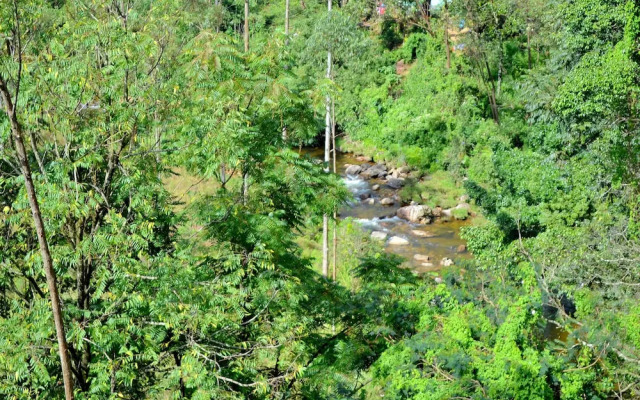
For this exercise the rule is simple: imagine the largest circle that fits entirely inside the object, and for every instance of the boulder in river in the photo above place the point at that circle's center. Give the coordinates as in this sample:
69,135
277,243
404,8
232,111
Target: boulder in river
375,187
420,233
461,249
364,196
395,183
398,241
364,158
421,257
446,262
378,235
427,264
415,213
371,201
387,201
386,224
353,169
374,171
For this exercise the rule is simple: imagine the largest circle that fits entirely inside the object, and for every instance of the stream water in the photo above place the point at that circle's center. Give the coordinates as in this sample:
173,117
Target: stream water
443,237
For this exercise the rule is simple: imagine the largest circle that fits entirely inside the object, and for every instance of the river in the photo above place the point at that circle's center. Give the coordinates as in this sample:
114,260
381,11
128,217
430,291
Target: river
441,240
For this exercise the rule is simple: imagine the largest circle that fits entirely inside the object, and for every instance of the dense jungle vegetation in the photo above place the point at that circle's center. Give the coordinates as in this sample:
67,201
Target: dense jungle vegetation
115,285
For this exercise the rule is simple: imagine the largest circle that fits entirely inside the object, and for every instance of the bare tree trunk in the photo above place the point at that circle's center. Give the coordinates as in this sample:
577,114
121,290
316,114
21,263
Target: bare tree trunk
425,10
286,18
500,67
327,150
113,380
325,245
56,307
493,101
335,171
245,176
286,42
335,246
158,144
246,26
223,175
496,93
327,128
446,34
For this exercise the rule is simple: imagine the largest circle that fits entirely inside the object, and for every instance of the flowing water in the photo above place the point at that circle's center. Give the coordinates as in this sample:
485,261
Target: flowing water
444,237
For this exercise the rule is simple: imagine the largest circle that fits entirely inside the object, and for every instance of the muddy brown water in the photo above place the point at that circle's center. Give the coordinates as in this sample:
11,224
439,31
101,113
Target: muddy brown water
444,237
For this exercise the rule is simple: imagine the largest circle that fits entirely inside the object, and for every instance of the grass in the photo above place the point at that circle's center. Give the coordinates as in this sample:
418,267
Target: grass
460,213
437,190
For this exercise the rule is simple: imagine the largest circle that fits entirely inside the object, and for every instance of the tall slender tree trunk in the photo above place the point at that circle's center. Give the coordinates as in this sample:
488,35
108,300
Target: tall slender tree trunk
446,34
493,99
47,261
325,245
500,68
223,175
158,143
286,42
500,58
286,18
246,26
245,175
335,171
425,9
327,151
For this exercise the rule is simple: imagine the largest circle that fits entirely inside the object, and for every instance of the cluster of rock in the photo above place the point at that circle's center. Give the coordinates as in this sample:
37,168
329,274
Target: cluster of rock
416,213
423,214
394,177
426,261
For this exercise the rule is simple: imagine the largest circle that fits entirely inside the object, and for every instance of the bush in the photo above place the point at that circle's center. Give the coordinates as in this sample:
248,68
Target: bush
460,213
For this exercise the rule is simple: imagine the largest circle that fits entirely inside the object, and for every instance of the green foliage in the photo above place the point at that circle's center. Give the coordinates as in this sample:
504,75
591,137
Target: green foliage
436,190
460,213
217,297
